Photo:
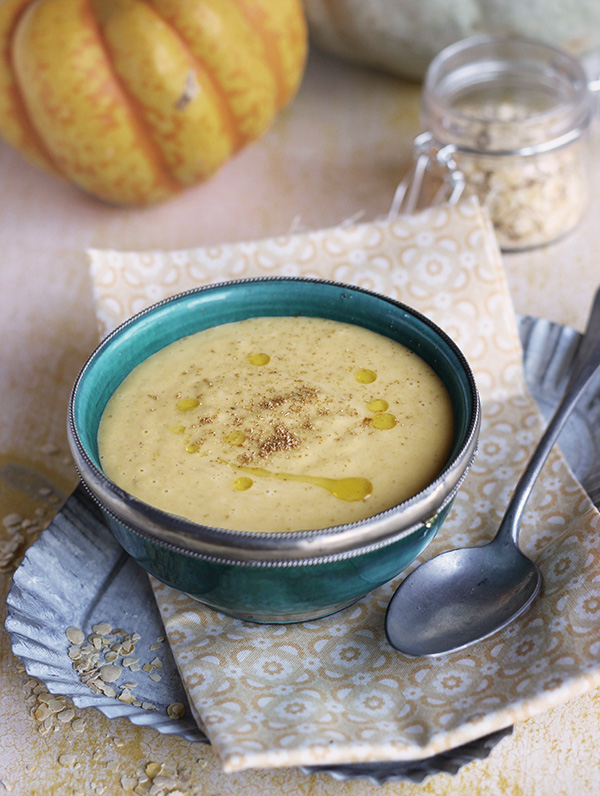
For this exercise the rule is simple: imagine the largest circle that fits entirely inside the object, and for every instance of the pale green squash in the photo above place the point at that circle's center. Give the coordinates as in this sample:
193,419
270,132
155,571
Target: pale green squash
402,36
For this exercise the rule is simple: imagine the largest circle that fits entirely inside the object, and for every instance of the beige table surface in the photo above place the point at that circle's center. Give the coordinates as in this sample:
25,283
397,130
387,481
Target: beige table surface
336,154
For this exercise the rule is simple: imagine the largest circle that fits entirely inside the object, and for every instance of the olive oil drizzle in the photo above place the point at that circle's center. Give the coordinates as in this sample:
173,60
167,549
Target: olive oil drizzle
352,488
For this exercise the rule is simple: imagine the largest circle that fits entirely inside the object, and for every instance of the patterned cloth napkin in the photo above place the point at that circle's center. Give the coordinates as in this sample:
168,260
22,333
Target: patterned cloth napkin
333,691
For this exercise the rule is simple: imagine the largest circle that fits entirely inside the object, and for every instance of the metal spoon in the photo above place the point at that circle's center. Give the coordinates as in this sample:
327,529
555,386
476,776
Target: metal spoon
464,595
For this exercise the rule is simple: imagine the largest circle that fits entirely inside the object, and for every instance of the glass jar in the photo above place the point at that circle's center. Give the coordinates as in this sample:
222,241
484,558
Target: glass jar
506,120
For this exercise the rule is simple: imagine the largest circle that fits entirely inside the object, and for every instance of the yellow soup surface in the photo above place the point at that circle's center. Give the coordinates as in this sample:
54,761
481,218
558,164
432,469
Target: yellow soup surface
277,424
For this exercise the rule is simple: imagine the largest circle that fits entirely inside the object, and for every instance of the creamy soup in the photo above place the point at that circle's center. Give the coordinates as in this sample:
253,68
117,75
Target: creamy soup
277,424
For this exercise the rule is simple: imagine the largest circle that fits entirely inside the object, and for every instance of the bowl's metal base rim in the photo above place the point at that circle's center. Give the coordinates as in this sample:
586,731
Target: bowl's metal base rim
279,619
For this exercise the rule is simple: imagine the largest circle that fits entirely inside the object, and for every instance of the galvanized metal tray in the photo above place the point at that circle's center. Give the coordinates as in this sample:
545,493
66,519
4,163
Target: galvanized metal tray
76,575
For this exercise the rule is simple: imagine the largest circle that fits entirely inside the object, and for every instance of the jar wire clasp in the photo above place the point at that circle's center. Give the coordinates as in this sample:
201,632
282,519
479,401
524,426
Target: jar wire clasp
433,178
594,89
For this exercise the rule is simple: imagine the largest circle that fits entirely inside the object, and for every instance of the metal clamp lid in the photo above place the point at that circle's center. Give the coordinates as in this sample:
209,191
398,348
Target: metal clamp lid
432,179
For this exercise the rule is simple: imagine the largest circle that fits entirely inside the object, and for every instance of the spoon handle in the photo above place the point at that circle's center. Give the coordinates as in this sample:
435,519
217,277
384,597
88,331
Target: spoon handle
585,367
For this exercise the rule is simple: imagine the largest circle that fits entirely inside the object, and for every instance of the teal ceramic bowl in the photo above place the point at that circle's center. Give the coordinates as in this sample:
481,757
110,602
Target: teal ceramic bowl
271,577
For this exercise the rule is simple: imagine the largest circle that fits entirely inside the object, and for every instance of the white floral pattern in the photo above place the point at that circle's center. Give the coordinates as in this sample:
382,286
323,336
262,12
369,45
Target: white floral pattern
333,690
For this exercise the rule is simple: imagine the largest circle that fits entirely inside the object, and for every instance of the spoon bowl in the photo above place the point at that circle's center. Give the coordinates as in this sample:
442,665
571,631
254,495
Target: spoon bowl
472,593
465,595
